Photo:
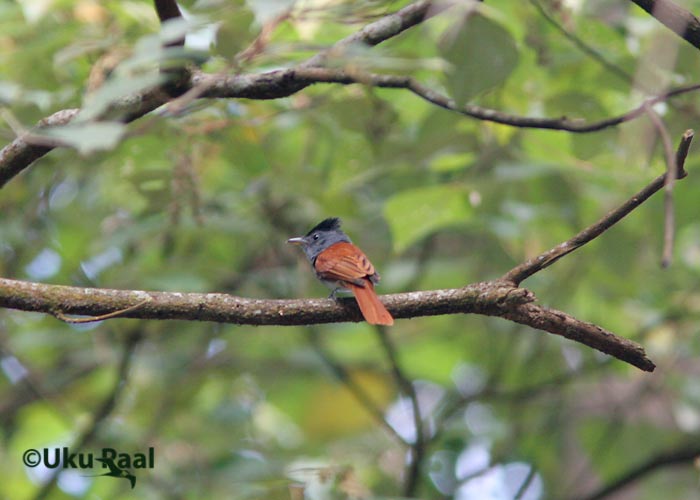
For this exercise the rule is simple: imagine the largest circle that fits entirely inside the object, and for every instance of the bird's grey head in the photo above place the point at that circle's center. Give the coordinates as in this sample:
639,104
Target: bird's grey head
324,234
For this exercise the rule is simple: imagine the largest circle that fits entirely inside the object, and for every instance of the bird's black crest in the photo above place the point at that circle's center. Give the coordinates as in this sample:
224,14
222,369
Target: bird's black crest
329,224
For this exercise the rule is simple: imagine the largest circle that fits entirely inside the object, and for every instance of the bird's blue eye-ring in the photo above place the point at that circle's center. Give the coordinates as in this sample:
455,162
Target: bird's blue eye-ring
316,236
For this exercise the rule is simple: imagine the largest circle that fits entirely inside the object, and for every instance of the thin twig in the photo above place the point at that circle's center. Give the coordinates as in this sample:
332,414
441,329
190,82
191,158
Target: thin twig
453,403
325,75
685,454
669,181
581,45
102,317
532,266
525,484
676,172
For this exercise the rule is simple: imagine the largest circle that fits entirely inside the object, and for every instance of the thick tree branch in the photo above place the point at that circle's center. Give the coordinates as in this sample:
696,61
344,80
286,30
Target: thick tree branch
674,17
481,298
546,259
489,298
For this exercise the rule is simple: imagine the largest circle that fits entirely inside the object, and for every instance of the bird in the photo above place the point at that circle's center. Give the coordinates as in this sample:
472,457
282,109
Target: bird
115,471
342,266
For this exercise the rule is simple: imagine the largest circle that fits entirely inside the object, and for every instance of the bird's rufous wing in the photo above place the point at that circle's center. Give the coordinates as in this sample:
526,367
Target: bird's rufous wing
344,262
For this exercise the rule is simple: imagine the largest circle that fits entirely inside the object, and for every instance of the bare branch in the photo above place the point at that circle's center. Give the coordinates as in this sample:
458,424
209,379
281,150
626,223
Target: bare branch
317,75
482,298
561,323
669,182
546,259
387,27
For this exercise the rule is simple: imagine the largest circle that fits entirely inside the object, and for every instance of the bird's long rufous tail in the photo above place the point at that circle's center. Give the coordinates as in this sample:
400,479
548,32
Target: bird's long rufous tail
371,307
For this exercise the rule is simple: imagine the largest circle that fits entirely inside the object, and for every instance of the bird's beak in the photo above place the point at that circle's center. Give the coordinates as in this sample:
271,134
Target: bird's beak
296,241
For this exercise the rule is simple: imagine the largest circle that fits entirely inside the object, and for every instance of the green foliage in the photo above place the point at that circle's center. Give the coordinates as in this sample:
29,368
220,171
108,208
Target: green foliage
203,200
482,55
413,214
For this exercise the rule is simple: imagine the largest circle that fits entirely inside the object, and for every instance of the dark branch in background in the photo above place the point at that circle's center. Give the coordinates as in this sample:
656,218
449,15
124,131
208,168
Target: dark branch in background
406,387
526,483
177,76
318,75
167,10
387,27
684,455
21,152
527,269
674,17
345,378
581,45
669,182
103,411
48,391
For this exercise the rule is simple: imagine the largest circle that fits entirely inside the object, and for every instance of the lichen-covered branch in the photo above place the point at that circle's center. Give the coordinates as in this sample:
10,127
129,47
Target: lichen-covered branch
488,298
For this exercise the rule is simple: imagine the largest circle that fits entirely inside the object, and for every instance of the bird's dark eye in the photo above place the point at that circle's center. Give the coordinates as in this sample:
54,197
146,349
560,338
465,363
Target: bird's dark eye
316,236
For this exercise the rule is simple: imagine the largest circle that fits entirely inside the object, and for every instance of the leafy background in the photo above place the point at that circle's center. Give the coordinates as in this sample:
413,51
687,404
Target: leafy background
204,200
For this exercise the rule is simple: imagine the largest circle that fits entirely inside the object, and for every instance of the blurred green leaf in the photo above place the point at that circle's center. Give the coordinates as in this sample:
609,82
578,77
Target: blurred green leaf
416,213
482,54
